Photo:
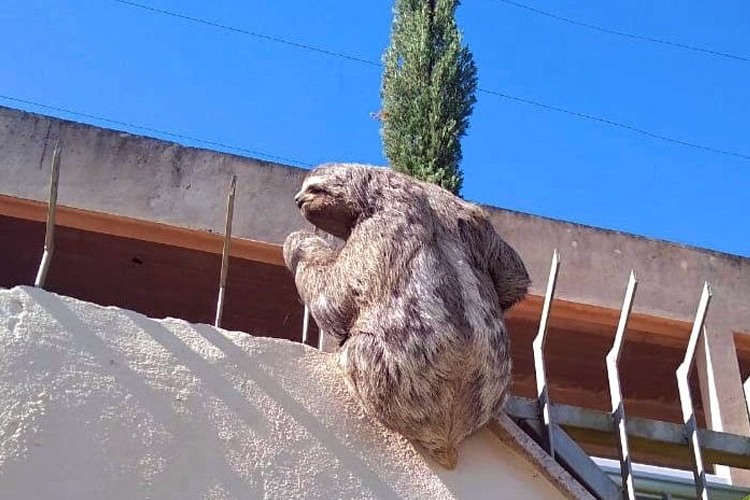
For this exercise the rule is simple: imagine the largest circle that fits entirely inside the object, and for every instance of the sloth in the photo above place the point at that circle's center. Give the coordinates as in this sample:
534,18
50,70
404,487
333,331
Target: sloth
414,296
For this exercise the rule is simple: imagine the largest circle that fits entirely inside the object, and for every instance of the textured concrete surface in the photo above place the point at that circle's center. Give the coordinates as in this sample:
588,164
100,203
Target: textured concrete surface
105,403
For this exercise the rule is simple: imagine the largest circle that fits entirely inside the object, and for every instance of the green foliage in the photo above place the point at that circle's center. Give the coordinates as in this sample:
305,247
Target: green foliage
428,92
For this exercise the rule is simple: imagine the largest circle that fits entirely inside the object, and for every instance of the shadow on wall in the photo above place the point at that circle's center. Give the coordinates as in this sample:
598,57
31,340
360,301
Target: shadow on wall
192,459
221,419
108,403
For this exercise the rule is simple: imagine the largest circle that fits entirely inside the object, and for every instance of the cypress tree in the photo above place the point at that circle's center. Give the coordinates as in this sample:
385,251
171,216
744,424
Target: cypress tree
428,92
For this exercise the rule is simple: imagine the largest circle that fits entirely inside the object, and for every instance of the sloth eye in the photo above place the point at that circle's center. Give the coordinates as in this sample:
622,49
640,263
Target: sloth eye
316,190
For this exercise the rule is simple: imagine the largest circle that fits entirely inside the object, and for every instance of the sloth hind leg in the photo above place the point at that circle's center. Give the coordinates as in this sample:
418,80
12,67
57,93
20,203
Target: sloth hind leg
443,453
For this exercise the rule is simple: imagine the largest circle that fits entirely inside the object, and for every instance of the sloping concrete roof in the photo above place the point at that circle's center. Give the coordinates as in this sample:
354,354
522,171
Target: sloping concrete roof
102,402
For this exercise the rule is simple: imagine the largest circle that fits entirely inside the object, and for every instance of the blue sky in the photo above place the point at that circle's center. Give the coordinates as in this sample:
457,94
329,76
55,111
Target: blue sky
105,58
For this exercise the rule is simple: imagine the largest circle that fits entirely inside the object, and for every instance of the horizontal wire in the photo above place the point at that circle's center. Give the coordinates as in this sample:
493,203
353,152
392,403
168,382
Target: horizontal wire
615,124
624,34
491,92
242,31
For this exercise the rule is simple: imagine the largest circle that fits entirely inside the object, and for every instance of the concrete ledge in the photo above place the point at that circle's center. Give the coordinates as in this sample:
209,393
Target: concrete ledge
512,435
105,403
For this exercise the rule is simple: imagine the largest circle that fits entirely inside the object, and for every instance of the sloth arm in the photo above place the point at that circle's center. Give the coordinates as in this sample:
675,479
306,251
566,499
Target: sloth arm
509,275
337,284
316,267
492,253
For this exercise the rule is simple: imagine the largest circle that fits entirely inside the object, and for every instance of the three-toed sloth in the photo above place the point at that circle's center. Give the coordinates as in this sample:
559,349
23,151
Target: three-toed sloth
415,297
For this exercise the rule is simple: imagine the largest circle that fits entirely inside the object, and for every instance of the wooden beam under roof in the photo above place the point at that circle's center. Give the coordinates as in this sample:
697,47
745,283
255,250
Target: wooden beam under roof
154,232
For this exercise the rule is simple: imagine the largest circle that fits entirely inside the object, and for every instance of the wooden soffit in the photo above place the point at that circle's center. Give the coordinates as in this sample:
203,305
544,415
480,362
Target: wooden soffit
127,227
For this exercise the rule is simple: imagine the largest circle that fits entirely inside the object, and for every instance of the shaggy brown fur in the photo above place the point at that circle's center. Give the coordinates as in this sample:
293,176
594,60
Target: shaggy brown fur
415,297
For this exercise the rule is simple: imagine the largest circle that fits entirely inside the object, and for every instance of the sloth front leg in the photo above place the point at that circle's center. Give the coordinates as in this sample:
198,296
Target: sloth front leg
320,282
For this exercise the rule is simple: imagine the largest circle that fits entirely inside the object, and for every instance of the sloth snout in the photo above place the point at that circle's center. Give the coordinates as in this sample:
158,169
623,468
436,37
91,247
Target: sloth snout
299,199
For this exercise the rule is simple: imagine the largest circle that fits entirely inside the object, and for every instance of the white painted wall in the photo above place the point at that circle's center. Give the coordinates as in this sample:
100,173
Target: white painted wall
105,403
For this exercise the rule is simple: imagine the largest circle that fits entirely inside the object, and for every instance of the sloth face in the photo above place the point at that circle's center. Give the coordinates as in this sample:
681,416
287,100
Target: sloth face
326,201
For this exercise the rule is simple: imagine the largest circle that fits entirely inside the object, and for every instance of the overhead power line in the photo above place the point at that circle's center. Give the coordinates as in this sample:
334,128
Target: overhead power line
222,145
495,93
616,124
242,31
624,34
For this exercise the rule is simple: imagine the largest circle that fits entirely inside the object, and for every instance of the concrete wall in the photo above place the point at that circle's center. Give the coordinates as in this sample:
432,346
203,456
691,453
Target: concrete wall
124,174
105,403
151,179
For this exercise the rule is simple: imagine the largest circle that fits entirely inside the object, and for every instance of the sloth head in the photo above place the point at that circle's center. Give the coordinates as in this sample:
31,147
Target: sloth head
335,197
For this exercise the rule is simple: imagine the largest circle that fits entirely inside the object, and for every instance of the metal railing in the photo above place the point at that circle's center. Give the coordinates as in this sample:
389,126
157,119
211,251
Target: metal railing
549,423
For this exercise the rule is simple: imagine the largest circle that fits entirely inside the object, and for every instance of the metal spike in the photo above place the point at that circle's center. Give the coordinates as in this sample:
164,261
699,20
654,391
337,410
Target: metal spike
538,348
305,325
615,390
49,236
686,400
225,251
